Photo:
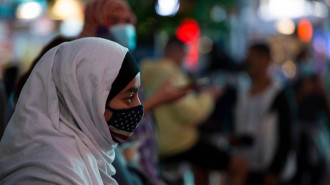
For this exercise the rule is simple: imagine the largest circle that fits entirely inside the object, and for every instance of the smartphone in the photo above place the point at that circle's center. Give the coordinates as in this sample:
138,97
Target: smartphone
202,81
198,83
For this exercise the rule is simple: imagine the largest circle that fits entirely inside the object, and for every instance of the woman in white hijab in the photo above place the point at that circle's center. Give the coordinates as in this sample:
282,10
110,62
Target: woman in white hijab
65,125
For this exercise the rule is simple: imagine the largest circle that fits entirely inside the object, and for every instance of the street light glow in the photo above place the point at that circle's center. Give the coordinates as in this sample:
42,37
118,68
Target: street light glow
167,7
29,10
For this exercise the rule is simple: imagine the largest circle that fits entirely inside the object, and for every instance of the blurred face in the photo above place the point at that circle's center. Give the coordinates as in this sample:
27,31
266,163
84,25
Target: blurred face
177,53
256,63
180,53
126,98
120,15
120,24
252,60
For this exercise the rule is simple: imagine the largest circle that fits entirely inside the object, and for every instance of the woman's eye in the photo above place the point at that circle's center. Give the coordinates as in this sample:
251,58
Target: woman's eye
130,97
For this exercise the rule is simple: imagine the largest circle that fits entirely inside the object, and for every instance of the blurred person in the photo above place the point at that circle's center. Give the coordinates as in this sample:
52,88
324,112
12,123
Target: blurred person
110,19
326,81
313,123
3,108
142,148
9,78
10,75
6,96
263,121
65,125
223,71
177,122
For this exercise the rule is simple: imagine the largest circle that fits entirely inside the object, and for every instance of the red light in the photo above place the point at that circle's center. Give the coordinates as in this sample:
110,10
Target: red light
188,31
191,60
305,30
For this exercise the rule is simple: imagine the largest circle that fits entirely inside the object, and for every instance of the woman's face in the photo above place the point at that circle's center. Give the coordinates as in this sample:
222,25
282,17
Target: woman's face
126,98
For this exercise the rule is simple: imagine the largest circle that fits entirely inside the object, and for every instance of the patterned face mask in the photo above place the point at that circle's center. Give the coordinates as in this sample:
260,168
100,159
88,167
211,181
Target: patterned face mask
124,121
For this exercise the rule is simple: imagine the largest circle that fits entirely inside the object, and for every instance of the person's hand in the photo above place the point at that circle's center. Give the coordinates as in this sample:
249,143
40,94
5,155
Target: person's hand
271,179
214,91
238,170
166,93
131,151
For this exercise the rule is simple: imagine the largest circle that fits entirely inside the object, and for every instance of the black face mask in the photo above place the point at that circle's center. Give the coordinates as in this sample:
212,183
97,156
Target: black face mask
124,121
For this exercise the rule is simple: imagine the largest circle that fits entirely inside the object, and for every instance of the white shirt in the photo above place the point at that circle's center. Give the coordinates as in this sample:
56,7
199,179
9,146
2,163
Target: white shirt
253,117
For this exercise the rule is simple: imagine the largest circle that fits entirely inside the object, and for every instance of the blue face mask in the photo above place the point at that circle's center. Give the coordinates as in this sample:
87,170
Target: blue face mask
125,35
124,121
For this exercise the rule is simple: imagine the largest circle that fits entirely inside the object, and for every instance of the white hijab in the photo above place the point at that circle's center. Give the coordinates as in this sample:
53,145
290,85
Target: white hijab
58,134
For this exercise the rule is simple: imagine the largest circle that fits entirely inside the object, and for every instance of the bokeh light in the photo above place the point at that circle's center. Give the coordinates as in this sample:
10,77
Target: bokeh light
67,9
289,69
218,14
305,30
71,27
328,2
29,10
279,9
188,31
167,7
320,9
319,42
42,26
206,44
285,26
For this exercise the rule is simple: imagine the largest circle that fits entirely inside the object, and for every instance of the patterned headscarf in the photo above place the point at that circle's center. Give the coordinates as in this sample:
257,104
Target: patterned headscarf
58,133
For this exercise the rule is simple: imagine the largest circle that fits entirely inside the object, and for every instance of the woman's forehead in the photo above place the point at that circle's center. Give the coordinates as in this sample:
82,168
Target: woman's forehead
135,82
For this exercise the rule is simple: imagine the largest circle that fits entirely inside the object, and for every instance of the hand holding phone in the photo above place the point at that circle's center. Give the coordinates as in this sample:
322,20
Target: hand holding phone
198,83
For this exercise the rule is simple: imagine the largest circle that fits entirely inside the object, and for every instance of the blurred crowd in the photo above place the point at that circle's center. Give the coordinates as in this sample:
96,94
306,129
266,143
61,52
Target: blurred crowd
234,122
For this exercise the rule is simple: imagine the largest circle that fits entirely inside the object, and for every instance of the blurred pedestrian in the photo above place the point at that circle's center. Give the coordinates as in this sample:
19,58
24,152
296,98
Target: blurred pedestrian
3,109
177,122
263,121
313,123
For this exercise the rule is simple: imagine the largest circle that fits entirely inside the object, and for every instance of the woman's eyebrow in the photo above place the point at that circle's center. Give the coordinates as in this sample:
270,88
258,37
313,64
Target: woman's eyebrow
132,90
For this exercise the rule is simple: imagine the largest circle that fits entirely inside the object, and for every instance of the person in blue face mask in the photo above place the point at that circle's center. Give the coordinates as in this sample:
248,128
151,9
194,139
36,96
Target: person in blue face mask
111,19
